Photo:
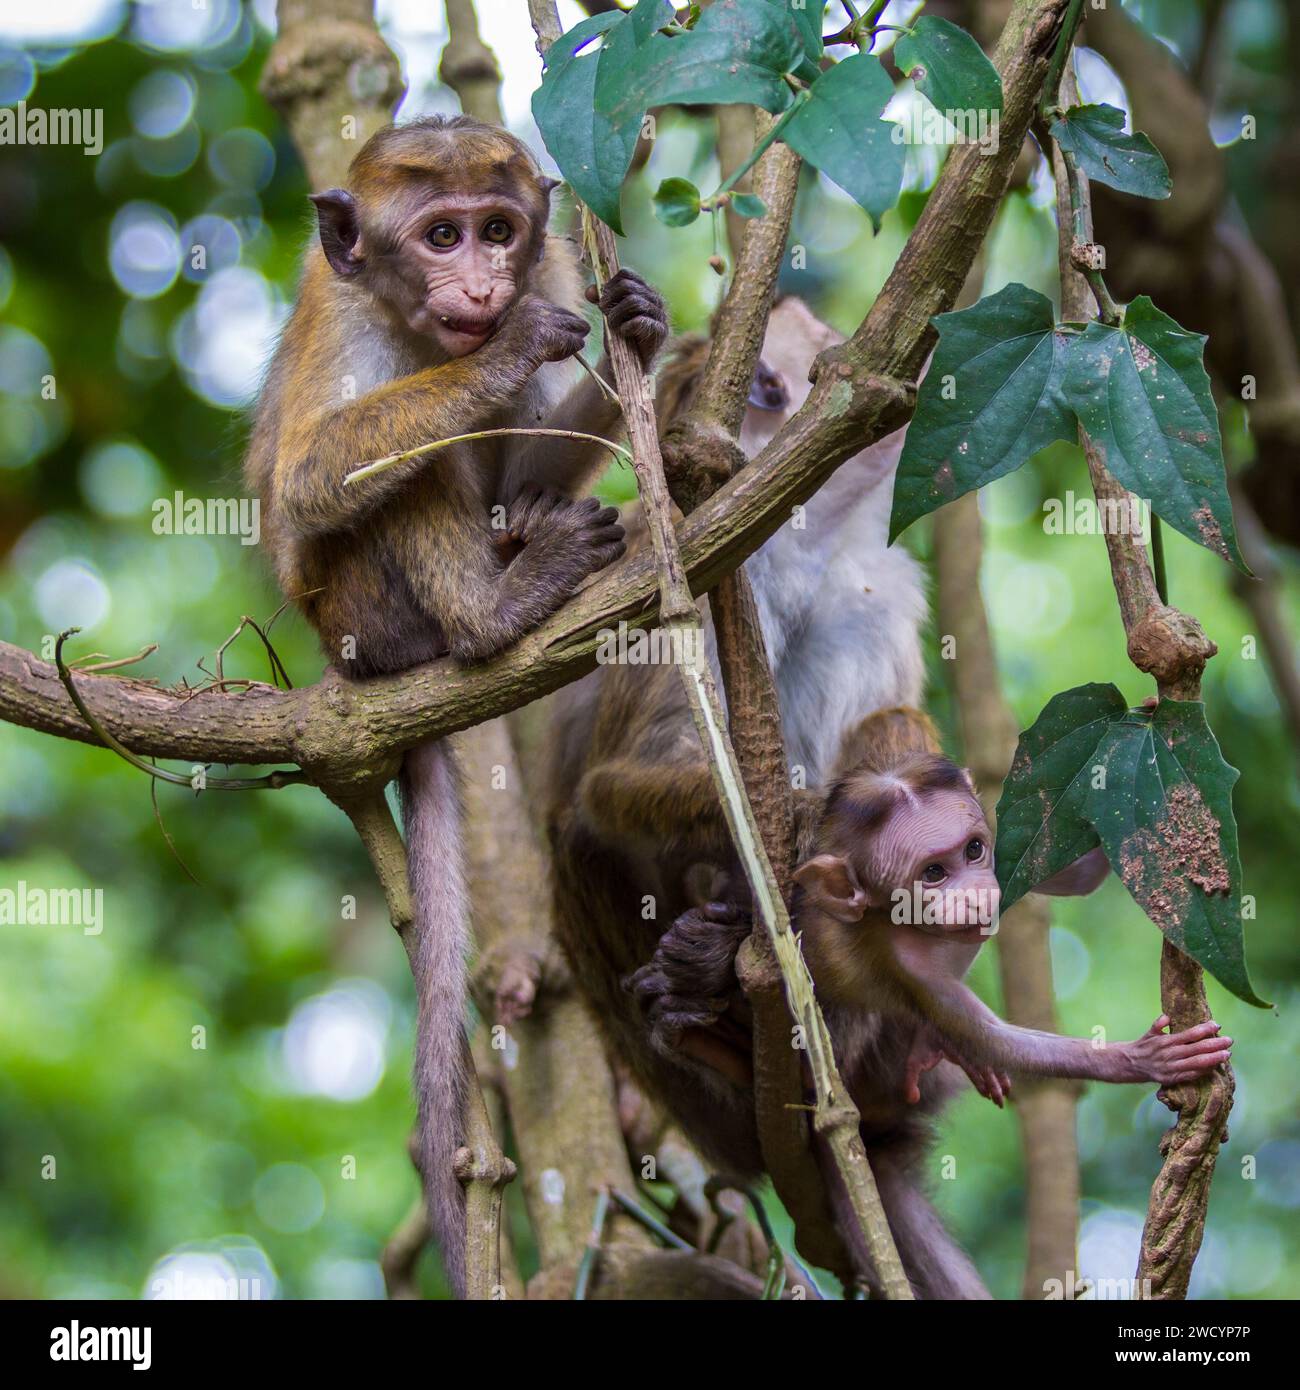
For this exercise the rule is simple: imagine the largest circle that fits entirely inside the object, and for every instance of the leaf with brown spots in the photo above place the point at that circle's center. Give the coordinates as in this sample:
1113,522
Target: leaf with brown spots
1142,394
991,400
1164,815
1042,827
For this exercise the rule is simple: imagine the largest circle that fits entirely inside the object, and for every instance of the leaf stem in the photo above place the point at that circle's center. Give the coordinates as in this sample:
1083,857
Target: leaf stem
273,780
760,146
368,470
1060,56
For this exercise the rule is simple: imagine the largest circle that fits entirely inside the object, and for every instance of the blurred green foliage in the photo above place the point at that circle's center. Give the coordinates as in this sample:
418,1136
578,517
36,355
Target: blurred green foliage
270,1145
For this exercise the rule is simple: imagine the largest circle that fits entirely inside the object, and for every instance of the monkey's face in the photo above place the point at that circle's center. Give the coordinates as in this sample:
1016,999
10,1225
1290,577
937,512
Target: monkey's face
936,854
927,863
462,263
458,265
447,265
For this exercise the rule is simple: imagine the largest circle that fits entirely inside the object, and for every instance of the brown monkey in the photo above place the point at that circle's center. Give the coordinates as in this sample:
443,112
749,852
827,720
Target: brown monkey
636,827
435,305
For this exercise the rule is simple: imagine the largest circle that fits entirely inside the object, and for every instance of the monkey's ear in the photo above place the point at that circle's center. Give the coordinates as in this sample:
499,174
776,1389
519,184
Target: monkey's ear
336,211
547,184
832,885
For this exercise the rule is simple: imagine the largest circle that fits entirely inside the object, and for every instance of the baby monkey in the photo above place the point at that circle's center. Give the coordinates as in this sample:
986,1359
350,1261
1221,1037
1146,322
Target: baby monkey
896,894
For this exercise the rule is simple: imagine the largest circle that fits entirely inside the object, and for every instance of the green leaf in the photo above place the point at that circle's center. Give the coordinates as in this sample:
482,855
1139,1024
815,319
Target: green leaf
1153,790
748,205
736,53
1131,163
839,131
1003,363
1164,815
1142,394
949,67
592,150
808,17
677,202
1042,825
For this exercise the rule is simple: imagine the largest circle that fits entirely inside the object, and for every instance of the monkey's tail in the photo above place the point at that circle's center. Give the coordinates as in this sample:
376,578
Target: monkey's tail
431,814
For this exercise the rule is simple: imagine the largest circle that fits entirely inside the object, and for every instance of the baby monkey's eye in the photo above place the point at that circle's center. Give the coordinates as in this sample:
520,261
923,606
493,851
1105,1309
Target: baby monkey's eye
933,873
975,850
443,235
498,231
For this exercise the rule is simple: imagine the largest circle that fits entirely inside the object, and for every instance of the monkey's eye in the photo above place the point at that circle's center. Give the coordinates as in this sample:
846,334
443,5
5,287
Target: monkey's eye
933,873
498,231
974,851
442,235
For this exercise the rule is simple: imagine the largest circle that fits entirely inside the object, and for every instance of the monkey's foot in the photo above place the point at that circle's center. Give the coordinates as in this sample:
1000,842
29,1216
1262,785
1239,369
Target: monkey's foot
635,311
689,982
930,1049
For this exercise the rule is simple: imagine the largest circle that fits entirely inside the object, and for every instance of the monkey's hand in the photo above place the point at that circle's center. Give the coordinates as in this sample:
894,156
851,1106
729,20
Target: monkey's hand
691,977
562,539
930,1048
635,311
1172,1057
538,331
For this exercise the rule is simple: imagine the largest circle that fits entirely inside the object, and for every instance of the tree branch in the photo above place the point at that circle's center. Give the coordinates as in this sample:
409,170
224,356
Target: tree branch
469,67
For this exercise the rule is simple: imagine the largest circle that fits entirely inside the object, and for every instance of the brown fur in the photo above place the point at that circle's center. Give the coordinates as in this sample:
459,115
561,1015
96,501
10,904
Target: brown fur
460,551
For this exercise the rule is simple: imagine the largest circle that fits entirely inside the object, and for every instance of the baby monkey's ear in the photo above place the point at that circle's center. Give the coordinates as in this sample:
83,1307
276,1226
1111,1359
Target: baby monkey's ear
832,885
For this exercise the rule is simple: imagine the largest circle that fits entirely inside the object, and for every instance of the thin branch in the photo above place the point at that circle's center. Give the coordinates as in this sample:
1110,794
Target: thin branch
368,470
272,781
597,1234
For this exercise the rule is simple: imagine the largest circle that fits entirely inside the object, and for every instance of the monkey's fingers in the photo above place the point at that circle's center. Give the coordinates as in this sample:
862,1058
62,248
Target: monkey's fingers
1196,1032
635,311
992,1088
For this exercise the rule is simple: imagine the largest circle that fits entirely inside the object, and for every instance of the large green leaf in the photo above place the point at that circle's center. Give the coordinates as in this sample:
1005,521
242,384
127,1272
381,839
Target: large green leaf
991,400
839,131
737,52
592,150
949,67
1142,394
1153,790
1131,163
1042,825
1165,819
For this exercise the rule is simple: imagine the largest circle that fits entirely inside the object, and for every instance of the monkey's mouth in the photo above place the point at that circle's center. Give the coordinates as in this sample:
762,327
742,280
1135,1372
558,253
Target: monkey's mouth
468,327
